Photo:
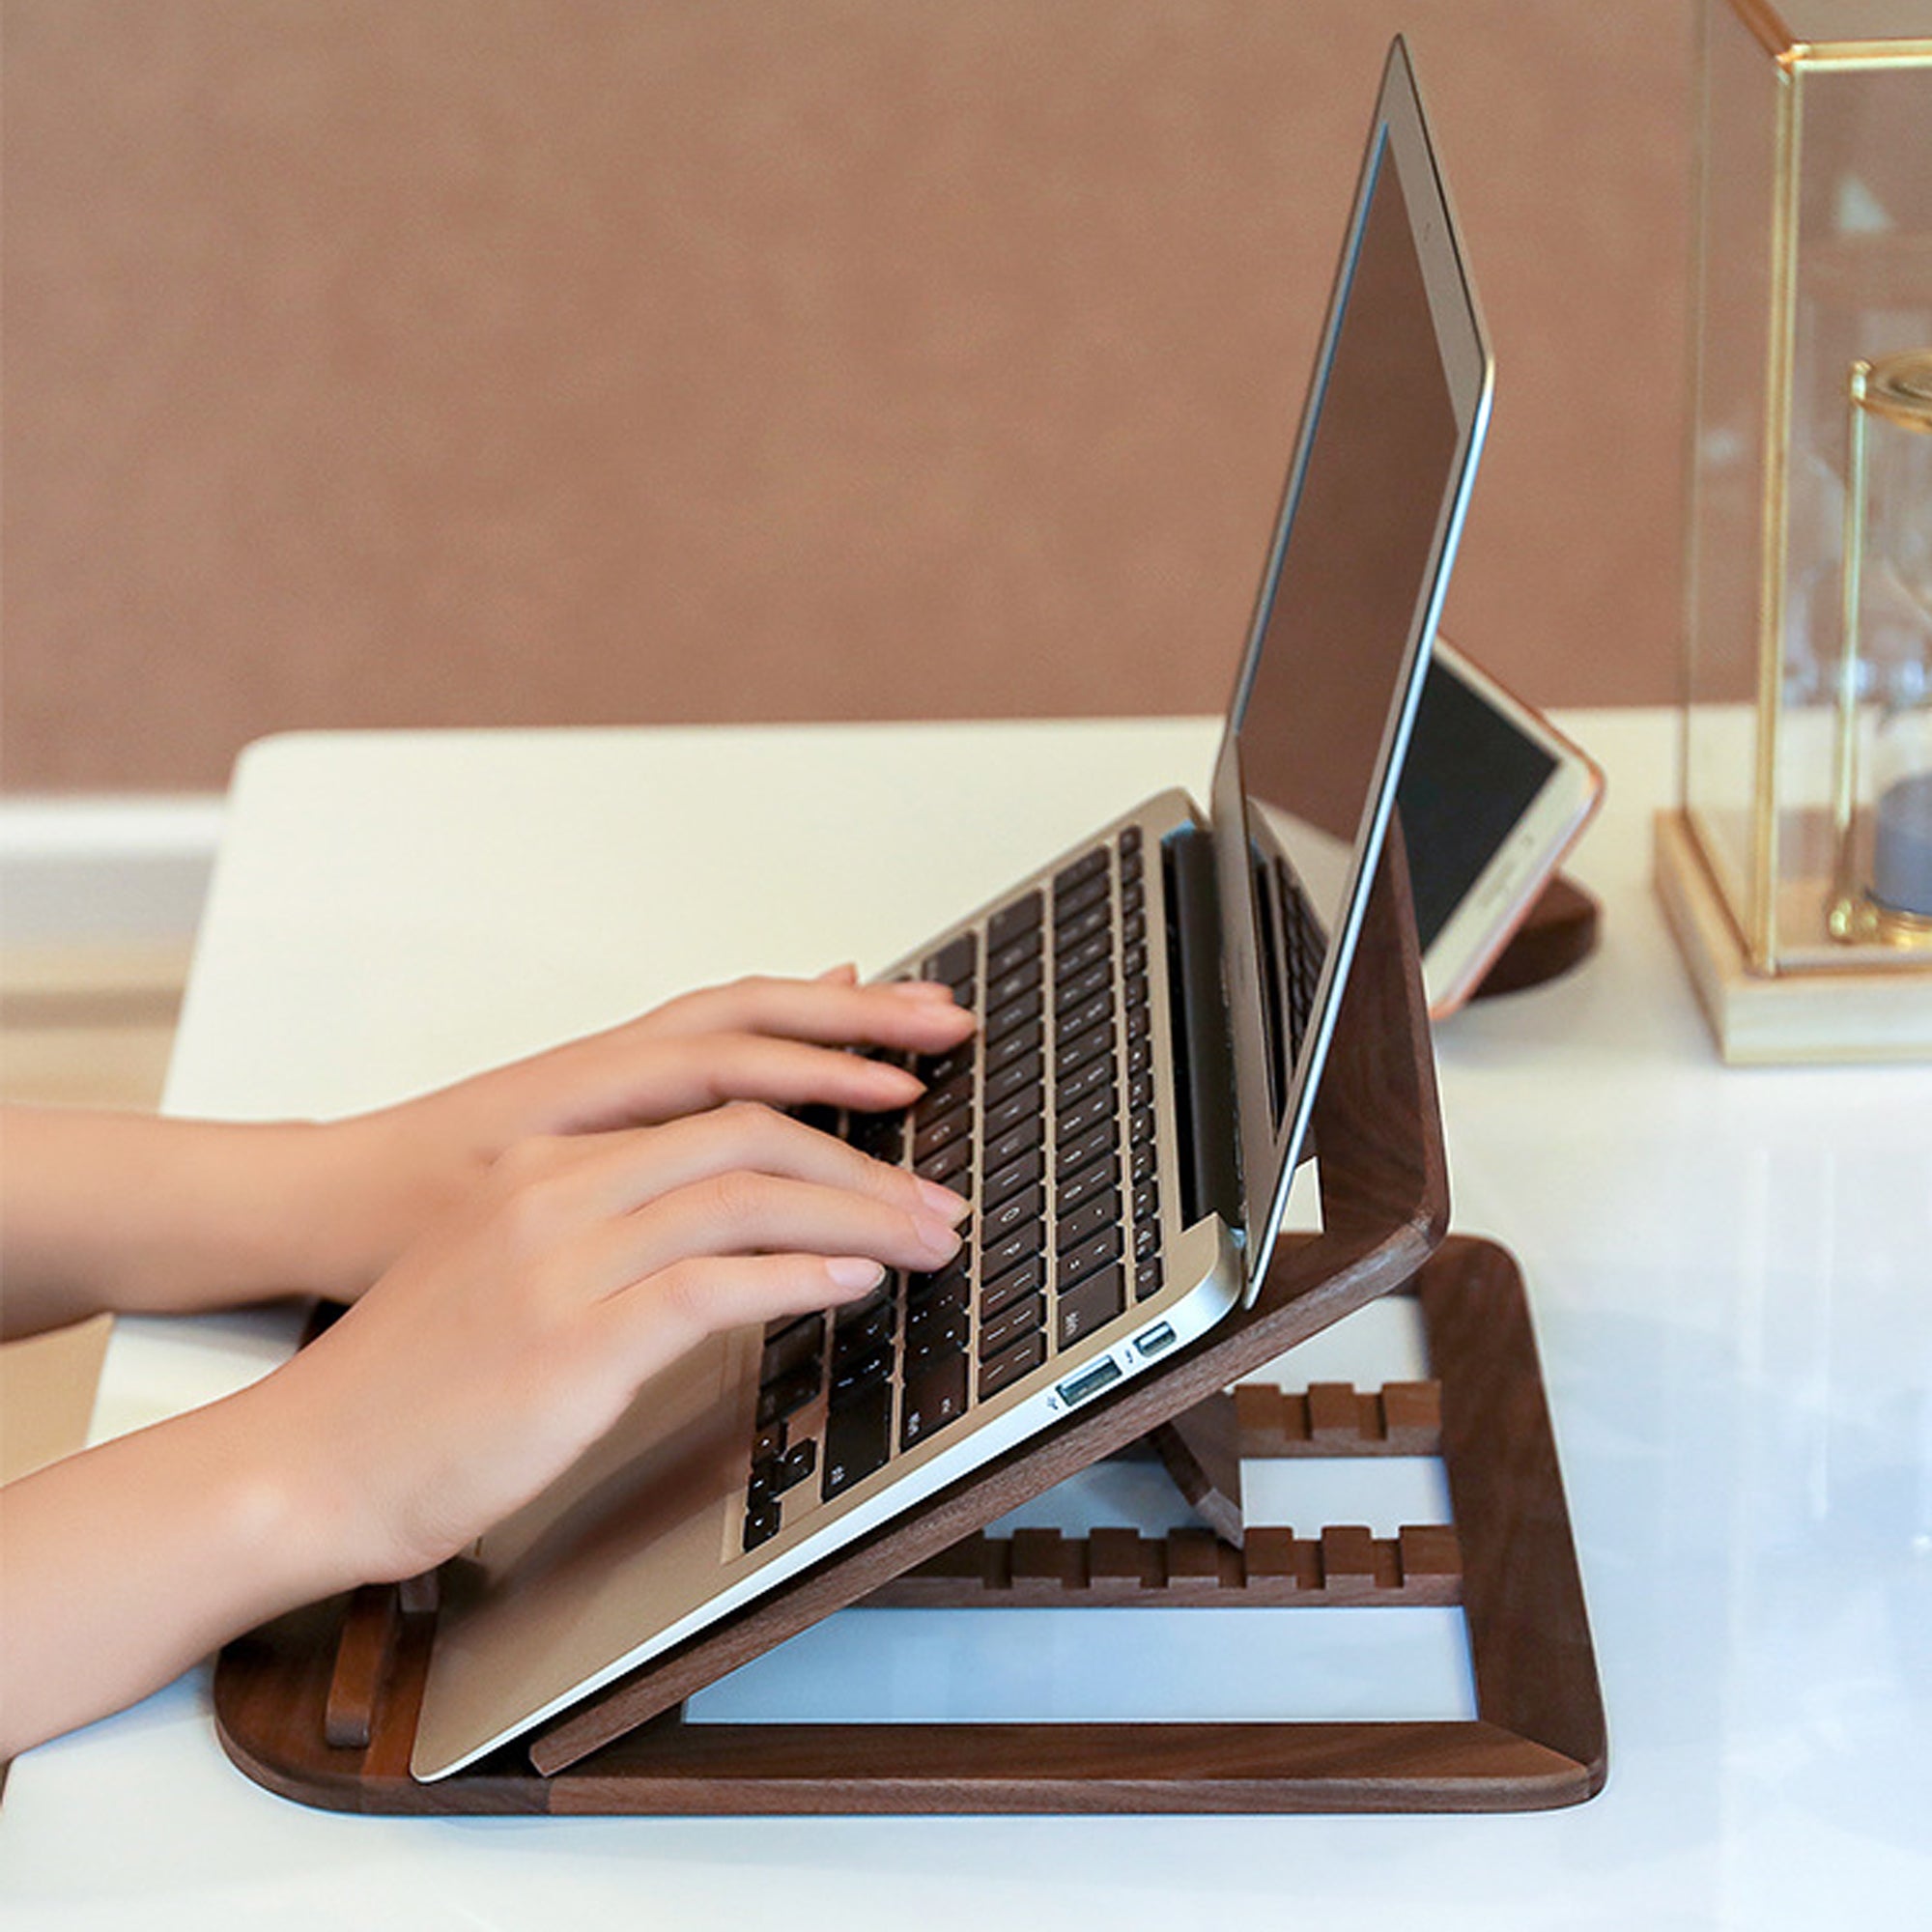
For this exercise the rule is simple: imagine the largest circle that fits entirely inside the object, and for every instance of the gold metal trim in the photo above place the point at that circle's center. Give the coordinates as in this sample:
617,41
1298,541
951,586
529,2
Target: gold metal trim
1774,549
1842,916
1899,389
1769,28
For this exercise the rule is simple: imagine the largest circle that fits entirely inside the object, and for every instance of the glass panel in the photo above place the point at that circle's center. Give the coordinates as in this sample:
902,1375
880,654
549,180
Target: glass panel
1864,290
1740,85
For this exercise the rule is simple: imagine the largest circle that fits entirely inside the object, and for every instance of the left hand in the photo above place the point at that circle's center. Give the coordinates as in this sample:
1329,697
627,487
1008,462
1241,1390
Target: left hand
779,1041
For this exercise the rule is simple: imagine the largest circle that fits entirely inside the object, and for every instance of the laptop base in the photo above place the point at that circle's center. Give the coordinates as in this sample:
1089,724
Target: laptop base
320,1706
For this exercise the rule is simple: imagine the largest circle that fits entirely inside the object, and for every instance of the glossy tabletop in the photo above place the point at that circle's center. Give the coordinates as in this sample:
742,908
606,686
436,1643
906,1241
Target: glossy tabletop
1731,1273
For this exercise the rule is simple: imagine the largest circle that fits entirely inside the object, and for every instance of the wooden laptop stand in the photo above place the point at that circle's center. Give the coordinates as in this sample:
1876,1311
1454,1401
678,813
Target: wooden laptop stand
321,1705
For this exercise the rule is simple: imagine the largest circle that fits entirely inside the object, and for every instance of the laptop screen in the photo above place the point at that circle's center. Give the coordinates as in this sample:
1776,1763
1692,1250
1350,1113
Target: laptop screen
1307,767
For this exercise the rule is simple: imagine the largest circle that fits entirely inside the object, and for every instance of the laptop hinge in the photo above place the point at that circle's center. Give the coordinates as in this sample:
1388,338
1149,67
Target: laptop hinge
1203,1055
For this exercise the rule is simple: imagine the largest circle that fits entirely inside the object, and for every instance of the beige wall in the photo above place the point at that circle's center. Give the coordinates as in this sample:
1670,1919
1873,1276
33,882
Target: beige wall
424,362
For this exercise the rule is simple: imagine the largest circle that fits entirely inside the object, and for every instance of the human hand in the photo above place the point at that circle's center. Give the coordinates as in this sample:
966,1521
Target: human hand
518,1331
389,1174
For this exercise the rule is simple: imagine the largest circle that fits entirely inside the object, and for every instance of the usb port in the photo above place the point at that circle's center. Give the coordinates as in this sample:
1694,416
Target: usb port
1098,1378
1160,1336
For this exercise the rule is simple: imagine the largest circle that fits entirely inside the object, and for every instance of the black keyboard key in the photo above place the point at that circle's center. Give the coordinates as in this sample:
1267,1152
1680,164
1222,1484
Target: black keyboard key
1133,895
857,1439
1146,1200
951,1282
1142,1169
941,1331
938,1100
1076,873
1010,922
859,1376
1002,1290
1076,1154
1140,1093
1018,1211
881,1136
795,1344
934,1396
851,1340
1093,1254
769,1444
1096,1043
1014,1142
1016,1319
1147,1241
1097,1176
1023,978
1014,1175
937,1068
1023,1105
1076,1120
1092,952
1098,1011
795,1466
1082,900
1095,1077
1069,992
1011,1077
1133,926
1022,1245
947,1162
1015,1044
1130,839
1015,952
1140,1127
1091,1305
950,1127
1069,934
1147,1278
1013,1015
954,962
1140,1055
1004,1370
929,1295
788,1395
761,1523
1099,1212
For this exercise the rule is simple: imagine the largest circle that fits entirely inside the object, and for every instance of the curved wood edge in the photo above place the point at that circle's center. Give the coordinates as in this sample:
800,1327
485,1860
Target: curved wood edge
1558,934
729,1768
1529,1629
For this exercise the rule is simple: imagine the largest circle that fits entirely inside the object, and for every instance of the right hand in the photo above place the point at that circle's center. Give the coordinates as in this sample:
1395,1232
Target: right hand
516,1331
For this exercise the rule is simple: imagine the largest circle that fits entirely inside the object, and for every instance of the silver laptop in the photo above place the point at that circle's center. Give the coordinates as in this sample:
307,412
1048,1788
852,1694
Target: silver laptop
1154,1009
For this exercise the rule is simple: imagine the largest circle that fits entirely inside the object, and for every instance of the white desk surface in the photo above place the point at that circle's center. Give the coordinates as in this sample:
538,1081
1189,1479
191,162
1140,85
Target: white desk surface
1728,1269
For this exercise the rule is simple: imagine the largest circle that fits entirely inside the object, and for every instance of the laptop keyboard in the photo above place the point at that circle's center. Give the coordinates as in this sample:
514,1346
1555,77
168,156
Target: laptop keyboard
1045,1122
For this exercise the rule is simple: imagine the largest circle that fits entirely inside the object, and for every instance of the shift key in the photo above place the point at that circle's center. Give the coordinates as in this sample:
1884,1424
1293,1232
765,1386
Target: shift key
858,1438
1089,1305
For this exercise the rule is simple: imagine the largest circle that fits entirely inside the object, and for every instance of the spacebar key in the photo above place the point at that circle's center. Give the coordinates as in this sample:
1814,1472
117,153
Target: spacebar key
857,1436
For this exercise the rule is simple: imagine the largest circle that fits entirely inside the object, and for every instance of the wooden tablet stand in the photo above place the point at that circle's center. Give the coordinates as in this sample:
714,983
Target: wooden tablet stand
321,1705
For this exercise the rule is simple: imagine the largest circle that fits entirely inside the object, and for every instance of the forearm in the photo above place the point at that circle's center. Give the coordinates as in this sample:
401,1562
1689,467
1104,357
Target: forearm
128,1212
121,1567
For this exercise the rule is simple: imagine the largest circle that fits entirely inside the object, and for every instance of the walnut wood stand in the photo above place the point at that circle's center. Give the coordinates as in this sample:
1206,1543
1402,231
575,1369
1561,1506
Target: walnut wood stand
320,1706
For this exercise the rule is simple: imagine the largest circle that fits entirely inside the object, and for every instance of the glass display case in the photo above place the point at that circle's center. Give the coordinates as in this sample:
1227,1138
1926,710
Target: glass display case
1809,666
